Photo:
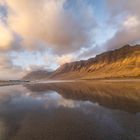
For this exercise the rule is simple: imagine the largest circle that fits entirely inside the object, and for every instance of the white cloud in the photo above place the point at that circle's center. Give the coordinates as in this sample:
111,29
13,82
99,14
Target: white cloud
5,37
63,29
8,70
131,22
65,59
128,26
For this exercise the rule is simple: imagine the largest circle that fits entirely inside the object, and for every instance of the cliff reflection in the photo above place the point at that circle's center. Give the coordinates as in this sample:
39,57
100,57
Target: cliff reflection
70,111
122,96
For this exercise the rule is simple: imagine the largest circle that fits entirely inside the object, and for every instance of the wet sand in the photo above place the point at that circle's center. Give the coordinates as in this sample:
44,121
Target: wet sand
70,111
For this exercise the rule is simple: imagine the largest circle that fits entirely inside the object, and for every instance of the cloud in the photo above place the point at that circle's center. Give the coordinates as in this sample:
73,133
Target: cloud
62,27
59,27
128,25
37,67
5,37
8,70
131,22
65,59
90,52
127,34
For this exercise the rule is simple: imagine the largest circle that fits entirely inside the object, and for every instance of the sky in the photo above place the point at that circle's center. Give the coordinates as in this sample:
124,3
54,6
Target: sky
44,34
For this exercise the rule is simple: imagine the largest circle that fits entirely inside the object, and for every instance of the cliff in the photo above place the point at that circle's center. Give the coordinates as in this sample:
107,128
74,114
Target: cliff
123,62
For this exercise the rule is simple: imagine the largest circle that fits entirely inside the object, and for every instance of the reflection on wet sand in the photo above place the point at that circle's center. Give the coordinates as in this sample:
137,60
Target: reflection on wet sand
70,111
123,96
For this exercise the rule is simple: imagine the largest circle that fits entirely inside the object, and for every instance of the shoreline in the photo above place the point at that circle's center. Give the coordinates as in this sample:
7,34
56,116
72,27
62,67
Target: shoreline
9,83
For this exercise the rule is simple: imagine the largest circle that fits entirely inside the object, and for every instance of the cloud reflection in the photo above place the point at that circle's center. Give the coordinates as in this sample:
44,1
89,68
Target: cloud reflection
81,110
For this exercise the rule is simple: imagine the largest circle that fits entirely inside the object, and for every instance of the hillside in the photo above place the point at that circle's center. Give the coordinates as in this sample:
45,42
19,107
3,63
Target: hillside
120,63
123,62
37,75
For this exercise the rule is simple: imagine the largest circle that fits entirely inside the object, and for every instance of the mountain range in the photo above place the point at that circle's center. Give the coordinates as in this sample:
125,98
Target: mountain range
37,75
120,63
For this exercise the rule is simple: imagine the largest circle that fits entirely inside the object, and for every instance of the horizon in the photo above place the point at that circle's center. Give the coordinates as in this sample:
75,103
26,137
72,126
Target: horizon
48,33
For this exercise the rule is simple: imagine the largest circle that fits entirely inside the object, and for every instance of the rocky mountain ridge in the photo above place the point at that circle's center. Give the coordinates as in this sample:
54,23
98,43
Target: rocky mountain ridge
122,62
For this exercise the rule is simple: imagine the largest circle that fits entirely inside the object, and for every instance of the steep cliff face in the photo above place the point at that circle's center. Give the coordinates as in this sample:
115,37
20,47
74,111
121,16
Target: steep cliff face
123,62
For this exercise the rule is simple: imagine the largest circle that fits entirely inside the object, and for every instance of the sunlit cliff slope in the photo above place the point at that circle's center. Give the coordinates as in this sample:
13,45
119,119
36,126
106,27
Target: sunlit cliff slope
123,62
120,63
